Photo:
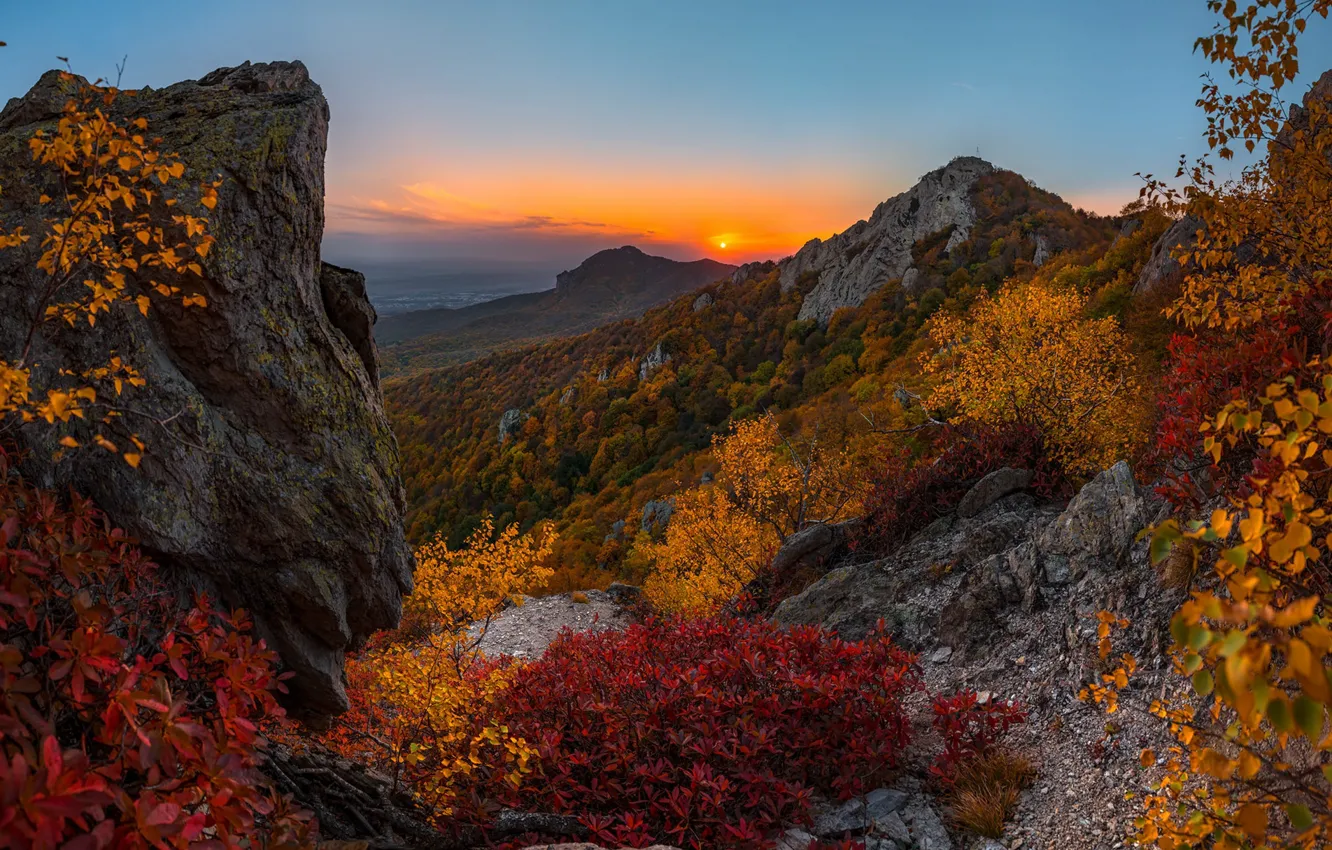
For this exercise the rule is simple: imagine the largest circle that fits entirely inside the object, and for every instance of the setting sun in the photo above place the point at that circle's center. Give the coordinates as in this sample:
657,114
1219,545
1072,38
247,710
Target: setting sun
723,244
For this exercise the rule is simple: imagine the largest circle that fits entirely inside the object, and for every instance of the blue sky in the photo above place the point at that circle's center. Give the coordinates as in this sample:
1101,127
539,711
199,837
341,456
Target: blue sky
675,125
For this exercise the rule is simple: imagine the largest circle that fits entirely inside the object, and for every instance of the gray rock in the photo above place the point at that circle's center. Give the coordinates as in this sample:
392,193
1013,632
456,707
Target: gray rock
510,421
812,547
883,802
1096,528
1129,228
702,302
941,655
795,839
1163,271
856,262
603,375
624,594
271,476
988,844
893,829
862,814
752,271
992,488
568,395
655,359
1043,251
927,830
657,515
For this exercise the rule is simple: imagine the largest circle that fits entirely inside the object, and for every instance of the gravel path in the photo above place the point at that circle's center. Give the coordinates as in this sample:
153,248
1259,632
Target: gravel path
525,630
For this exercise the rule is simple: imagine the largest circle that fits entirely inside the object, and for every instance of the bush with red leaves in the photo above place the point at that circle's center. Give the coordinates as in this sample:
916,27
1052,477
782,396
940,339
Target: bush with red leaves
906,496
969,728
125,722
1206,370
705,733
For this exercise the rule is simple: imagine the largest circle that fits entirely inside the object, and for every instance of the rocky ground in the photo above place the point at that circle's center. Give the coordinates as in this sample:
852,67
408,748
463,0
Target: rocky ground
526,629
1002,601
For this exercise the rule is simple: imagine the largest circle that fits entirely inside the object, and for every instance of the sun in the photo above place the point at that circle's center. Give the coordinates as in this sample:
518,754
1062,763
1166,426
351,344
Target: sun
723,244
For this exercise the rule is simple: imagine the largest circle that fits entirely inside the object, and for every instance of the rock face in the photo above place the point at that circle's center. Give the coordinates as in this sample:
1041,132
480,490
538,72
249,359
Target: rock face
655,359
856,262
510,421
950,583
992,488
702,302
814,546
271,476
1162,271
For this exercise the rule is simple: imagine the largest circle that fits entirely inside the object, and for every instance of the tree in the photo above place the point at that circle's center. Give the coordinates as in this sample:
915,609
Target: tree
1031,355
767,487
101,250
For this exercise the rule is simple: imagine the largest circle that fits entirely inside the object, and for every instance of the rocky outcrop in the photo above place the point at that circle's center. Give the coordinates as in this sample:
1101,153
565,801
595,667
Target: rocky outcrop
271,477
949,583
856,262
753,271
702,302
1163,271
813,547
657,515
654,360
992,488
510,422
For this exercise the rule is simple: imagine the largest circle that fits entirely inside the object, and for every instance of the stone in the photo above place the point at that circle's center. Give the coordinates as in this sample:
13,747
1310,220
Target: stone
656,515
892,828
812,547
795,839
992,488
655,359
1162,272
753,271
1043,251
510,421
702,302
1096,529
271,477
624,594
860,813
869,254
927,830
940,655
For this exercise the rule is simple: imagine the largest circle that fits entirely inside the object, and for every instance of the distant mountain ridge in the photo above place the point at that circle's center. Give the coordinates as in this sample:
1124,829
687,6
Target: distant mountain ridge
614,284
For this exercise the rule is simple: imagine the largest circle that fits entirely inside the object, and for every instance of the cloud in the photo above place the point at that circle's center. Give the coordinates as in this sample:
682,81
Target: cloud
967,86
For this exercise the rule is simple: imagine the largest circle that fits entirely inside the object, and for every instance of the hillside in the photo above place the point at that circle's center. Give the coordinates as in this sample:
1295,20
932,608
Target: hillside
607,421
611,285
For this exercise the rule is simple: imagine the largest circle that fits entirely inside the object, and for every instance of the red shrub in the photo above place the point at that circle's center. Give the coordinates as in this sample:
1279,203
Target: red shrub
970,728
124,722
905,497
705,733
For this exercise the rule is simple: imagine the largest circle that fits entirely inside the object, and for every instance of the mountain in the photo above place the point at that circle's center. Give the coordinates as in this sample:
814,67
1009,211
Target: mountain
611,285
599,425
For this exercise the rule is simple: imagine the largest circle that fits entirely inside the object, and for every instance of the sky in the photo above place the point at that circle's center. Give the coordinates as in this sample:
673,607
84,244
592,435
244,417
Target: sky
505,134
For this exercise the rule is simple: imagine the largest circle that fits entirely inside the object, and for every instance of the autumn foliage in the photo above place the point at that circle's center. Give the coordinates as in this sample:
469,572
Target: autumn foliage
125,720
704,733
100,250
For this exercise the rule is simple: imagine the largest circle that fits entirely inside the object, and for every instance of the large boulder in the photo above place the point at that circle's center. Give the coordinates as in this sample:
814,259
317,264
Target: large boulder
271,477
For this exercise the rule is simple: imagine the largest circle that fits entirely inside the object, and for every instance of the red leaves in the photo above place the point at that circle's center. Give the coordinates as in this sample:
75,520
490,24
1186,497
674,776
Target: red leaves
88,723
906,496
970,728
704,733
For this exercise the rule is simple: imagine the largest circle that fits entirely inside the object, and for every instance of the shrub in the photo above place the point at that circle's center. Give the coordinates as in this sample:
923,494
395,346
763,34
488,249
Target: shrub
125,721
703,733
904,497
970,729
986,789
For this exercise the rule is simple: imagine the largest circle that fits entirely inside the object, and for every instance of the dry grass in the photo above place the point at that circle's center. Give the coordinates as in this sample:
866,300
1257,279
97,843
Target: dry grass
1179,567
579,597
986,789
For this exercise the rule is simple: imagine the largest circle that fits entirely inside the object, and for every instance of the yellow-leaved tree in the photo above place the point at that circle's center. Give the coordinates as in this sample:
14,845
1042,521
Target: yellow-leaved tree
1252,765
102,248
1031,354
767,487
422,696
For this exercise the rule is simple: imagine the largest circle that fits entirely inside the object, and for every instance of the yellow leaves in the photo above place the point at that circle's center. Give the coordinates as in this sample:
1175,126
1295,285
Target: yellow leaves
1252,818
196,300
1031,353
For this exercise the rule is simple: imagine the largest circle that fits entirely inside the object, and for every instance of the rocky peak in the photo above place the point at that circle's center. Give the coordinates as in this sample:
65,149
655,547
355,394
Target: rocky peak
271,476
864,257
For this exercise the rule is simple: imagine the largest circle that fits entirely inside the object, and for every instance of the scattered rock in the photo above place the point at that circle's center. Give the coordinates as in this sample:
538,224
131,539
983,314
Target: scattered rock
526,629
927,831
274,480
992,488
